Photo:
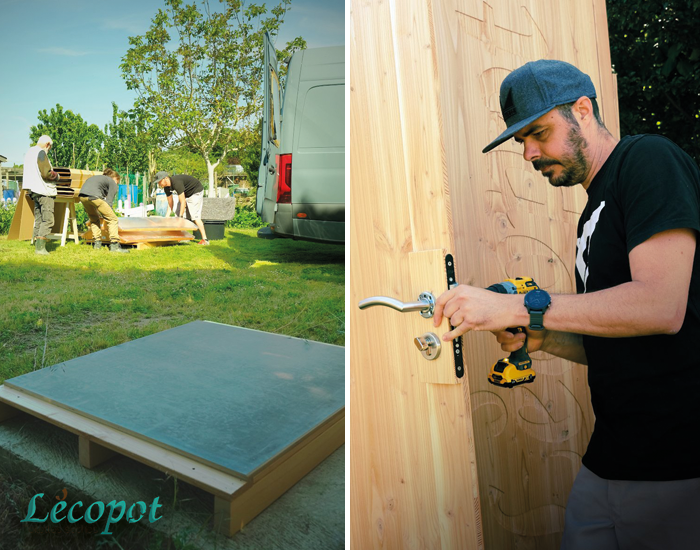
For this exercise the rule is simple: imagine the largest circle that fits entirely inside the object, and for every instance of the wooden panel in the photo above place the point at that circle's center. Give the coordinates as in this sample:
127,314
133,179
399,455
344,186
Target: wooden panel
236,501
509,222
23,219
182,467
233,514
425,79
412,475
232,398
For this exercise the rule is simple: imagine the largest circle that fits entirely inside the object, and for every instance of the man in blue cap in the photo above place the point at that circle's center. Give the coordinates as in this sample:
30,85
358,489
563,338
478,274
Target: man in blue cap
635,320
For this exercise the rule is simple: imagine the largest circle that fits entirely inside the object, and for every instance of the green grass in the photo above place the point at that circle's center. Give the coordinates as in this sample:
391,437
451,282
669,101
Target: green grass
76,301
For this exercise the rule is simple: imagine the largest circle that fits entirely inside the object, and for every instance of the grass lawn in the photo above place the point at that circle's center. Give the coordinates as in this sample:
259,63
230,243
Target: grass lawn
76,301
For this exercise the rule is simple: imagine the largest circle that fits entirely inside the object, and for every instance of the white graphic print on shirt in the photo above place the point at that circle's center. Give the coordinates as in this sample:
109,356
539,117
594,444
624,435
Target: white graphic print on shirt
584,242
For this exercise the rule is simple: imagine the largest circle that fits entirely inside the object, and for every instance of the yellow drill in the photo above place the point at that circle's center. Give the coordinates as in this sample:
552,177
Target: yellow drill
515,369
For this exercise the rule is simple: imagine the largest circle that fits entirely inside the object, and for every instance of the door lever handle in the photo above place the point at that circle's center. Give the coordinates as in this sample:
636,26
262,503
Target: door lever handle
425,304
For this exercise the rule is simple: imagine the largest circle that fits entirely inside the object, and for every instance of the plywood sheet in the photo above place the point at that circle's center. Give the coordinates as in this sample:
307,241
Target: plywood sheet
229,397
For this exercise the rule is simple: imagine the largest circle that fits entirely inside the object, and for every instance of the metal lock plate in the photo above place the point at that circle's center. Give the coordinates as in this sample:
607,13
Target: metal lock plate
429,345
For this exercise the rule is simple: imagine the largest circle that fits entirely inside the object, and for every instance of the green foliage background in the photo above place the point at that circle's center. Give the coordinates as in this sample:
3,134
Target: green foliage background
76,143
656,54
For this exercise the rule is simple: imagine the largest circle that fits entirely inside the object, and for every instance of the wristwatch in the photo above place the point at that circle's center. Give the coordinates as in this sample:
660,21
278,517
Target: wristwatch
536,302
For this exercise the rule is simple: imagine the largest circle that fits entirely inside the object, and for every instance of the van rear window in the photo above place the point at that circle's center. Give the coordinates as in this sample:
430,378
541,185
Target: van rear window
323,120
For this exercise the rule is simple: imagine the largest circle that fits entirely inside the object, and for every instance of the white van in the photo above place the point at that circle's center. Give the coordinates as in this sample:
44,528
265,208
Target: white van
301,182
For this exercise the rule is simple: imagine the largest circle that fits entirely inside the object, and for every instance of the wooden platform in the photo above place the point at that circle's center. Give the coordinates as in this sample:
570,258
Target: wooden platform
239,413
148,232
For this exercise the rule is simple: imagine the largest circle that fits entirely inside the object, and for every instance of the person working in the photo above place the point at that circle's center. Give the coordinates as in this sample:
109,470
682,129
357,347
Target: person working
97,195
635,320
38,180
190,195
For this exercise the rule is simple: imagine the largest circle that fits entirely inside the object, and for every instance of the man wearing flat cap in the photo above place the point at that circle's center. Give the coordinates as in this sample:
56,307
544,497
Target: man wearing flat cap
190,196
635,320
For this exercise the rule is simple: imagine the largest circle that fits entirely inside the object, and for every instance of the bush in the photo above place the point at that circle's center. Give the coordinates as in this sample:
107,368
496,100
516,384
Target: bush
7,211
81,217
245,219
246,215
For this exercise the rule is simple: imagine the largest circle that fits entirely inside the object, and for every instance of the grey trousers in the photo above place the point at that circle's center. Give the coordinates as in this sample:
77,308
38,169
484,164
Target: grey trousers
632,515
43,215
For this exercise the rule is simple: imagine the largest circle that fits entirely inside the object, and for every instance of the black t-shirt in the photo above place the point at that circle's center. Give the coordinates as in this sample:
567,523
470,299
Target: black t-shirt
100,186
645,390
183,184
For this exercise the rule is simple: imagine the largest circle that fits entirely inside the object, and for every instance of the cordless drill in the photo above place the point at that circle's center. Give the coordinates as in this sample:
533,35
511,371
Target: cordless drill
515,369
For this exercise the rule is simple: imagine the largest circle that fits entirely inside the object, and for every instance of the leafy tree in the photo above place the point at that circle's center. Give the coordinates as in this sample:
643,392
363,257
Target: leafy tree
656,55
181,160
250,150
210,81
126,146
76,144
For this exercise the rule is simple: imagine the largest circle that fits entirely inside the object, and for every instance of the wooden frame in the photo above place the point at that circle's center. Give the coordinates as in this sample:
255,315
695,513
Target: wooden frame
236,501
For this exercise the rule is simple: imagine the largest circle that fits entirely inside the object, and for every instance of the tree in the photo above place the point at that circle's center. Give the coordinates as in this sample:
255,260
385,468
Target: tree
250,149
209,83
656,55
180,160
76,144
126,146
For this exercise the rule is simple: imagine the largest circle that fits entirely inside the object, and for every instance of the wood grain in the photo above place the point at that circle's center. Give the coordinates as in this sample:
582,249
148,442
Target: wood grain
425,79
409,417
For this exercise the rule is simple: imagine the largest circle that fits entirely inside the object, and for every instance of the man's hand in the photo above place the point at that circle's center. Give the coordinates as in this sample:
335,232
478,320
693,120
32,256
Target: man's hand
513,342
471,308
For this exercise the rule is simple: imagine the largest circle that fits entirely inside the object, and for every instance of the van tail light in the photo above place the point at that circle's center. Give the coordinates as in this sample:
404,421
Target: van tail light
284,179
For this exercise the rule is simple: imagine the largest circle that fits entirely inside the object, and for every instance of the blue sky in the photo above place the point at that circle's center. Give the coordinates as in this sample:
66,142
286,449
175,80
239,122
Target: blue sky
68,52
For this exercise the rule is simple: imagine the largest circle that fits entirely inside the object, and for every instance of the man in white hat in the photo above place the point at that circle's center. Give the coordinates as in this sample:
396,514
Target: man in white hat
39,182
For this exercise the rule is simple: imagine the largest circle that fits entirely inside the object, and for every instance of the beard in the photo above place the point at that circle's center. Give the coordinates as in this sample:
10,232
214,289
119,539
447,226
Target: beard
574,164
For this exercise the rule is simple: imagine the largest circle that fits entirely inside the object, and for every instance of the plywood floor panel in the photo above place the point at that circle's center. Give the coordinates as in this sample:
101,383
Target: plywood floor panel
229,397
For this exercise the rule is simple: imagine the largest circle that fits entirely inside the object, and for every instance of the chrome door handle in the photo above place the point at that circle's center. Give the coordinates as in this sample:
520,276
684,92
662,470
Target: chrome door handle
425,304
271,169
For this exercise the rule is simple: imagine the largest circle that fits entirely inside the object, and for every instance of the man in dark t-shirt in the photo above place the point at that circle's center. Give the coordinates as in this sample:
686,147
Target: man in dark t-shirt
635,320
97,195
190,196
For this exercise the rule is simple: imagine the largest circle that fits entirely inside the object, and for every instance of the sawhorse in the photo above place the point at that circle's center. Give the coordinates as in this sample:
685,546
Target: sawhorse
22,224
64,214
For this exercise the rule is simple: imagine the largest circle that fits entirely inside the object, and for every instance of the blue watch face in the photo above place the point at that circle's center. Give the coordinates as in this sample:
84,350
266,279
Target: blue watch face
537,299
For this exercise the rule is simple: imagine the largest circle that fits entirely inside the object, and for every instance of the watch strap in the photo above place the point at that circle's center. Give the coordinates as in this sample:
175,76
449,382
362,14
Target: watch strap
536,319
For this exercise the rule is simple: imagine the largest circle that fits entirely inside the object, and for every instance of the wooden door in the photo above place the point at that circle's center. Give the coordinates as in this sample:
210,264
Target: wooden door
412,468
438,461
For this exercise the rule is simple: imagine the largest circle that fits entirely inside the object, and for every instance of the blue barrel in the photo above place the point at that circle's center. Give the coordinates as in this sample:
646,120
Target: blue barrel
8,194
161,203
133,191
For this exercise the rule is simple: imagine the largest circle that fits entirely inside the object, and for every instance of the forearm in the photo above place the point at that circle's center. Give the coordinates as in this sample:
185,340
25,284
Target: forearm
566,345
182,205
630,309
45,168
